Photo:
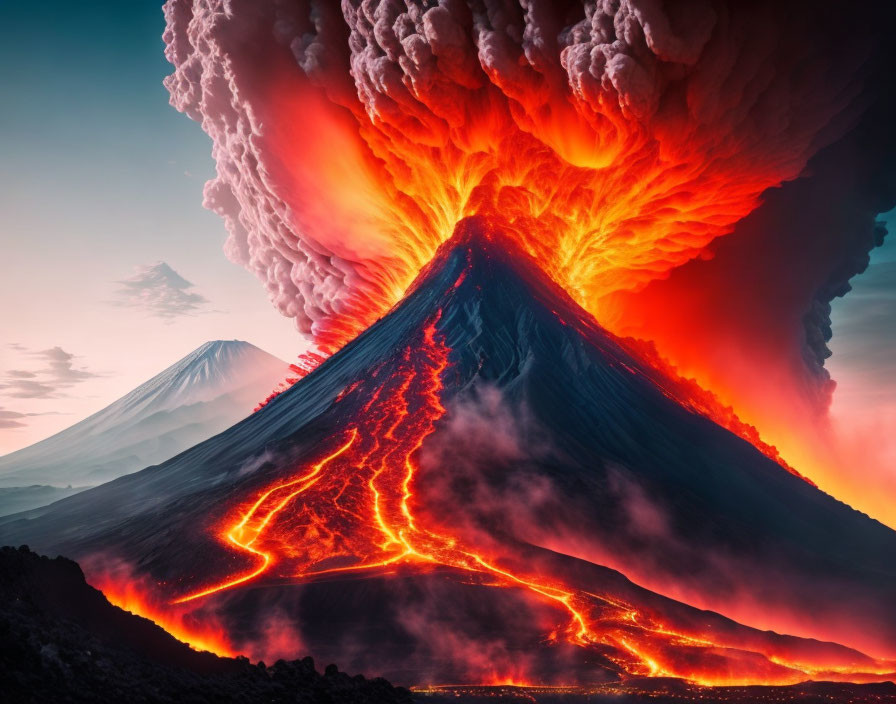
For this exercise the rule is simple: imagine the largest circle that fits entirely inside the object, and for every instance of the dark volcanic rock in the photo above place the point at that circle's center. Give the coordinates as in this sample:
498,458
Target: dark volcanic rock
61,641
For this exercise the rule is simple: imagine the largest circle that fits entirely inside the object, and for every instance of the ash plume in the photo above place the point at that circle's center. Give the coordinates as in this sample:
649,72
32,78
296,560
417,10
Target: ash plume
704,175
587,86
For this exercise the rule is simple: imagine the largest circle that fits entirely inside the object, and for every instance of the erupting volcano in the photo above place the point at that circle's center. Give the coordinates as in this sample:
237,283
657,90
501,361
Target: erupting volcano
565,269
477,465
634,147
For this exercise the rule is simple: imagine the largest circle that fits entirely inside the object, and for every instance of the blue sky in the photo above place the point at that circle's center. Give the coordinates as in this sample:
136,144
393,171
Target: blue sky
98,176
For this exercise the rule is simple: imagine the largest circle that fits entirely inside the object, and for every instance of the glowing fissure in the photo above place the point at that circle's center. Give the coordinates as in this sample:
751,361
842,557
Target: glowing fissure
355,510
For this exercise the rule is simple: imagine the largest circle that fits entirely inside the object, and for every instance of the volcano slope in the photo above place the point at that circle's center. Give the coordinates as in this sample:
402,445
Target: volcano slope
456,495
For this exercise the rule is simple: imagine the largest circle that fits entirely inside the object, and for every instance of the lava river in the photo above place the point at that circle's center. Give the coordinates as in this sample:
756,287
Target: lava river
355,510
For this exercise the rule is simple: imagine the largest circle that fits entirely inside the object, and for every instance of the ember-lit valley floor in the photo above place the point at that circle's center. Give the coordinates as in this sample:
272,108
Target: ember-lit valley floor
347,513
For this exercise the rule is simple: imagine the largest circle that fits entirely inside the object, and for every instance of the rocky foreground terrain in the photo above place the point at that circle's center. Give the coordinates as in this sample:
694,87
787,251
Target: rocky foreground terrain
61,641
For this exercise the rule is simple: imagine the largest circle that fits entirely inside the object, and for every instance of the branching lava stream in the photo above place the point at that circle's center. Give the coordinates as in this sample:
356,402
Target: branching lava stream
354,510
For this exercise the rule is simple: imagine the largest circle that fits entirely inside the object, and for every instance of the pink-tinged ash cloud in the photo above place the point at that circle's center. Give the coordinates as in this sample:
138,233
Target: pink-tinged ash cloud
311,214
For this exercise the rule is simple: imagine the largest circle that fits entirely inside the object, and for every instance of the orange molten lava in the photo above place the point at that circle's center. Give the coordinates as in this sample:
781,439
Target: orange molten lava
355,510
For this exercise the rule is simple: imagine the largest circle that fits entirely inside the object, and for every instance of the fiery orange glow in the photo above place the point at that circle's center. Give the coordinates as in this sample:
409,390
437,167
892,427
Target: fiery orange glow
197,632
355,510
605,203
619,143
307,363
614,157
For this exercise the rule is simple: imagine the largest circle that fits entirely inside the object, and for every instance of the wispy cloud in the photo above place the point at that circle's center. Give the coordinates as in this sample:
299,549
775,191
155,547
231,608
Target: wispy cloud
60,367
20,374
55,372
160,291
13,419
26,388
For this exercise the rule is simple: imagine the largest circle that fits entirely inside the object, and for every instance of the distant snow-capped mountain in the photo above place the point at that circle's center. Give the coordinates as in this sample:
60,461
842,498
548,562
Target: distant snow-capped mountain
204,393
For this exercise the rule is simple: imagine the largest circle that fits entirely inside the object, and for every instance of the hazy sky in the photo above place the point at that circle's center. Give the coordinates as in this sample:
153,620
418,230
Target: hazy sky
98,176
101,180
864,355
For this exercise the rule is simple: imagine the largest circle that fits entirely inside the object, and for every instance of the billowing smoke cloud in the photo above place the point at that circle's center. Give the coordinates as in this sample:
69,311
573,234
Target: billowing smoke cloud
752,321
678,117
619,140
486,453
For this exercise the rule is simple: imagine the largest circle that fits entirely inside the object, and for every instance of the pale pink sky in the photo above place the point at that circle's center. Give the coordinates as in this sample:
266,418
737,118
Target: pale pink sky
99,175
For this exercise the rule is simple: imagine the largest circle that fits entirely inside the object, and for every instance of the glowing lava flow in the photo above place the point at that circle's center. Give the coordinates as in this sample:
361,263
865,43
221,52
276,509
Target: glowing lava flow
622,140
354,510
247,531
